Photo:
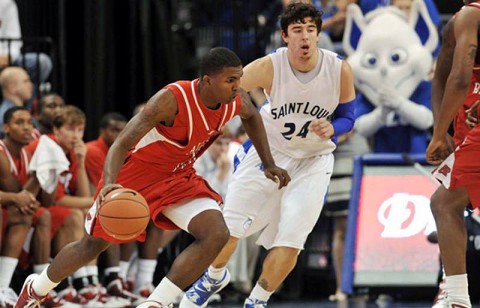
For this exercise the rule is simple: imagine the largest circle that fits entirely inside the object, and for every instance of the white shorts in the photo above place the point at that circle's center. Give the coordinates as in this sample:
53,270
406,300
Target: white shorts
287,216
181,214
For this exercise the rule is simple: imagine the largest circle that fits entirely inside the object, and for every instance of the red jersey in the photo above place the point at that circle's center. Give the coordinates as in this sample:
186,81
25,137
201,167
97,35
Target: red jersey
96,153
68,180
18,165
169,149
160,167
460,127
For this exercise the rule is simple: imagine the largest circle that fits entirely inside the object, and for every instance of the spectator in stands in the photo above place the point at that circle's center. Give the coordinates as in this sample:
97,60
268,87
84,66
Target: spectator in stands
39,65
16,89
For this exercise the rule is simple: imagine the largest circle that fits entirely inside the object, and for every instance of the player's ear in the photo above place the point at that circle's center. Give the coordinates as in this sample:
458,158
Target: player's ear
206,79
284,36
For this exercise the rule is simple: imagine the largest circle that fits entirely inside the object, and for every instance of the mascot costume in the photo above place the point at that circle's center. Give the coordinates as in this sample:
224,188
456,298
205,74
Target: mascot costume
391,58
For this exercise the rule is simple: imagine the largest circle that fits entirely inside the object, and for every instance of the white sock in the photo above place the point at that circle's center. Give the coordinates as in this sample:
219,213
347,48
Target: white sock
260,293
216,273
92,270
109,270
166,292
456,287
42,284
146,269
80,273
7,267
38,268
123,269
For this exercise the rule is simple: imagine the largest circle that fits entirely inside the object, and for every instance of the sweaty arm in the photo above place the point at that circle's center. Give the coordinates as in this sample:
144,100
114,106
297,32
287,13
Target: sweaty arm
442,70
160,107
466,28
252,121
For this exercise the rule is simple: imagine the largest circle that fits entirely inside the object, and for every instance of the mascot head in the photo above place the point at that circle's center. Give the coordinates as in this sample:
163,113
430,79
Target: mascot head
387,47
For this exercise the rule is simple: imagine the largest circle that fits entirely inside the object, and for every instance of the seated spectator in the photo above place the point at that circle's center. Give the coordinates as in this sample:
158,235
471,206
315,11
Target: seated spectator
39,65
16,88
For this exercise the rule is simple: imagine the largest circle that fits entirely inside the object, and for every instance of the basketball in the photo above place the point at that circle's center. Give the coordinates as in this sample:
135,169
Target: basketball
124,214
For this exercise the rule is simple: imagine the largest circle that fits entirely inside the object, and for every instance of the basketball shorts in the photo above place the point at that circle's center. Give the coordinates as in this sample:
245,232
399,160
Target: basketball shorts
462,167
161,191
285,217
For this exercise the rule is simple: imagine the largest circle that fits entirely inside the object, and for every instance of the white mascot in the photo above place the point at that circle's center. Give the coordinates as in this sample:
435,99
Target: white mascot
391,64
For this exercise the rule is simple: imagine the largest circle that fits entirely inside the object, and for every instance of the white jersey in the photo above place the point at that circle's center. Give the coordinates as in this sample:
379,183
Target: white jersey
292,105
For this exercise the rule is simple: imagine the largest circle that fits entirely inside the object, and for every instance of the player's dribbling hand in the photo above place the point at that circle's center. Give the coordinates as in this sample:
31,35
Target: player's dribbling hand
438,149
278,175
105,190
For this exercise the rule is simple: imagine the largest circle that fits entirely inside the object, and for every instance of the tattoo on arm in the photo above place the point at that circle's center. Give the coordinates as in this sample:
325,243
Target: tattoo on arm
472,53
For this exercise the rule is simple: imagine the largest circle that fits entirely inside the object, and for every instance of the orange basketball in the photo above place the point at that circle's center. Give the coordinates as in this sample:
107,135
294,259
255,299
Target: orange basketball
124,214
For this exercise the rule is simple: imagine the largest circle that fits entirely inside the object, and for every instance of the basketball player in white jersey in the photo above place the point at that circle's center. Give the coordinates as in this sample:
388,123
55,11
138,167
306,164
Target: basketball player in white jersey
310,95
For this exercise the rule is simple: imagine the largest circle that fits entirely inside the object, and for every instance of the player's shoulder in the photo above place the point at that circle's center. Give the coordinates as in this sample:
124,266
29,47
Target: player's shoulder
32,146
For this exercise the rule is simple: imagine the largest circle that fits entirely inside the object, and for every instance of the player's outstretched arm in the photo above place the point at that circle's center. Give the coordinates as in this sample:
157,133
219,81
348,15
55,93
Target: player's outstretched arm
161,107
255,129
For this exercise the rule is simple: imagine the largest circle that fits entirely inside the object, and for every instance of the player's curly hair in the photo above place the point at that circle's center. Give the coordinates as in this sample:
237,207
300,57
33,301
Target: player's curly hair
297,12
216,59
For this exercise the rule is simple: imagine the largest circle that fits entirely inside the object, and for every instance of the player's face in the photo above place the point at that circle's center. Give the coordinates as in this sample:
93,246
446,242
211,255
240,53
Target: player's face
302,38
110,133
20,127
68,135
53,104
226,84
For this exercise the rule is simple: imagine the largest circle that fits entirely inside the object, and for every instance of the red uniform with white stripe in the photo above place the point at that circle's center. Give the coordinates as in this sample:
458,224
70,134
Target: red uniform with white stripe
160,166
462,167
19,169
66,185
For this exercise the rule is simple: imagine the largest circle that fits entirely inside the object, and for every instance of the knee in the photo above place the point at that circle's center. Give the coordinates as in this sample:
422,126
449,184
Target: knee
435,205
215,237
93,246
45,219
74,220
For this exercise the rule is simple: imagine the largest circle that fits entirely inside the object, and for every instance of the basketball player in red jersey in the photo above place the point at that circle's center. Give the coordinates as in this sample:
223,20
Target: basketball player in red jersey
458,171
154,155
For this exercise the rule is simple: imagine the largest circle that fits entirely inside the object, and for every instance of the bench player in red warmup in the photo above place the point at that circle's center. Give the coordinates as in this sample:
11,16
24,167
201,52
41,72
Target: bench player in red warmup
154,155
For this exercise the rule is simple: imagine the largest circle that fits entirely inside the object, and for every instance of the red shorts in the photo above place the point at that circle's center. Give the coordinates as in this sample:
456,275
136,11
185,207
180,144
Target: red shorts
58,213
159,189
462,167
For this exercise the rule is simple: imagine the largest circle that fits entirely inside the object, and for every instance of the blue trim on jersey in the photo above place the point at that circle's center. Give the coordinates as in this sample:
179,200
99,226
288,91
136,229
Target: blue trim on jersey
242,151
